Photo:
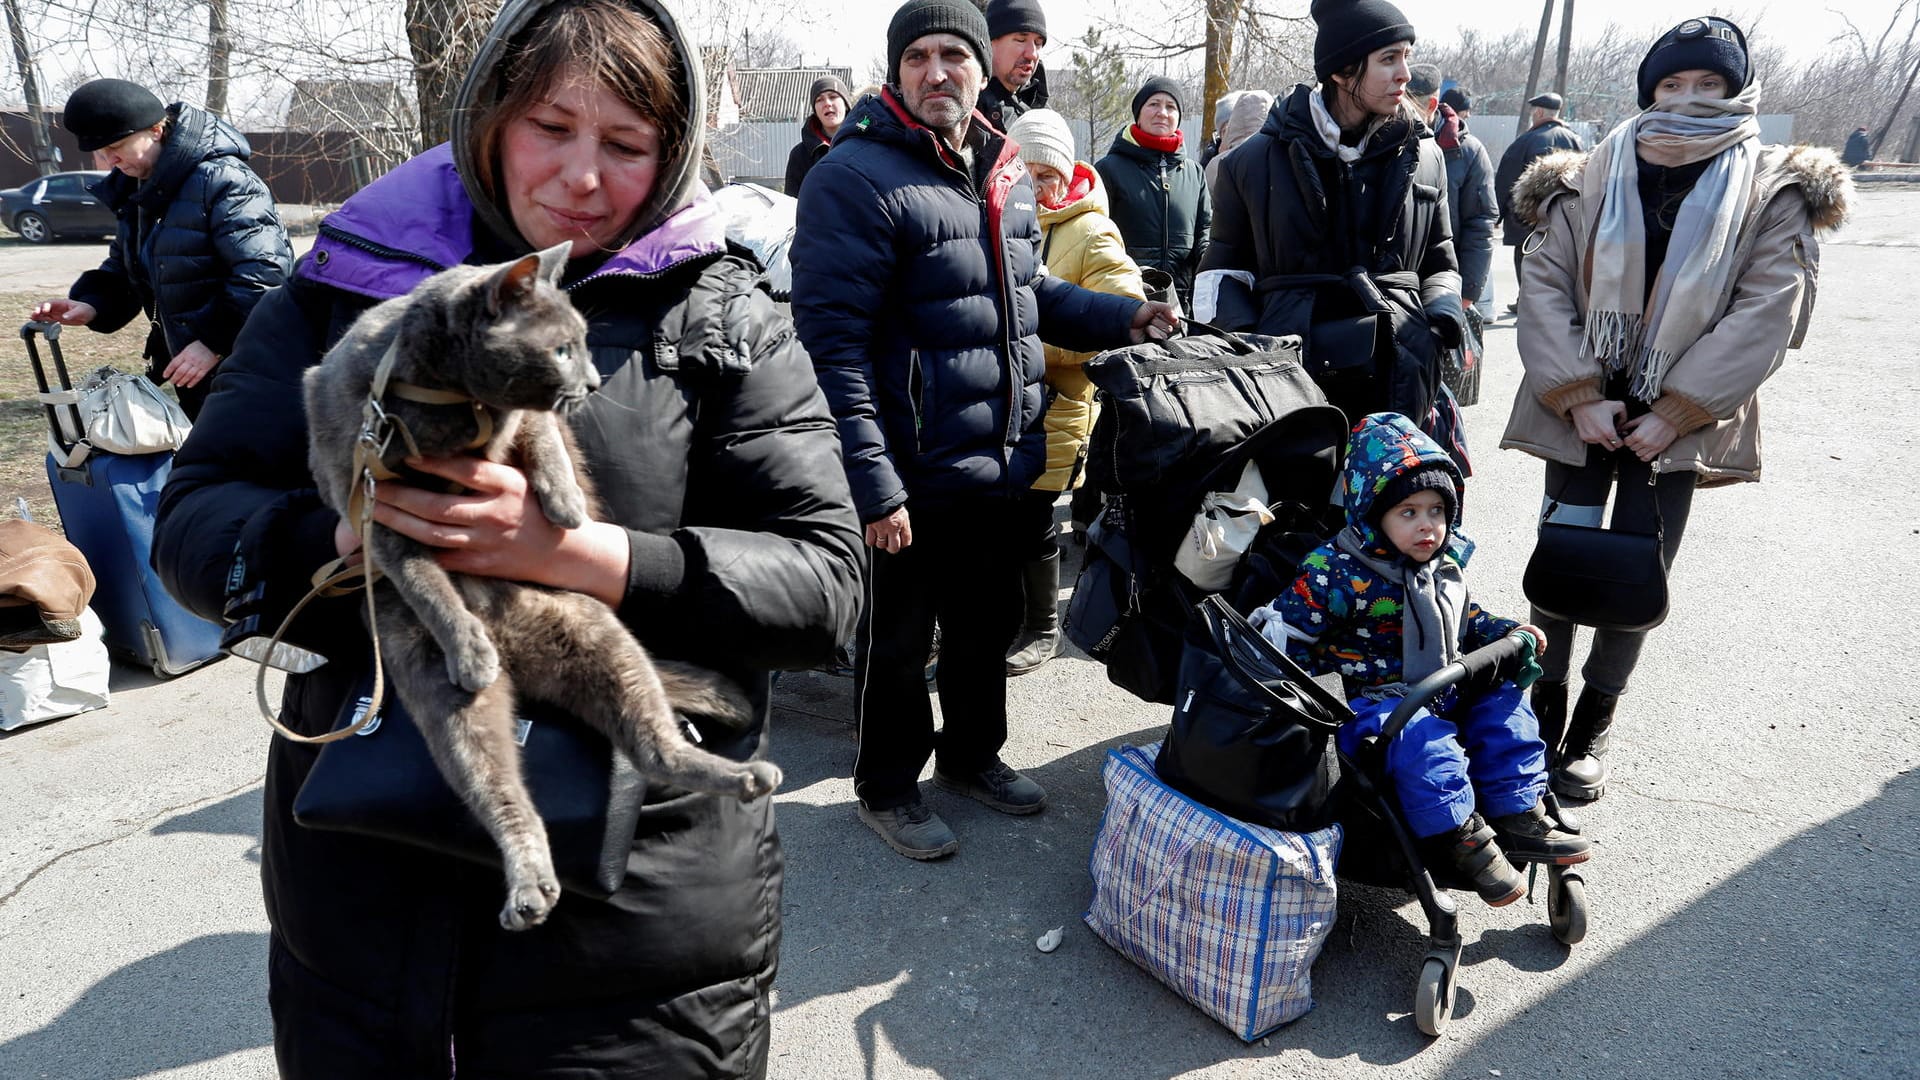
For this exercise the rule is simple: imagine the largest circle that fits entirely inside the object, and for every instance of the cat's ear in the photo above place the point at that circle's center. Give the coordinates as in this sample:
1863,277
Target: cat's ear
512,283
553,261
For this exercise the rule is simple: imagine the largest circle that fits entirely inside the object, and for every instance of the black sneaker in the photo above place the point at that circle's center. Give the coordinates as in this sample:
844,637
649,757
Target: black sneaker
1477,858
913,830
1531,837
997,786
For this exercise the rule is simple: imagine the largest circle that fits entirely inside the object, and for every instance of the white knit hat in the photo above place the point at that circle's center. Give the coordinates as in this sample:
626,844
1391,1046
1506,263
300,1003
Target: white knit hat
1045,139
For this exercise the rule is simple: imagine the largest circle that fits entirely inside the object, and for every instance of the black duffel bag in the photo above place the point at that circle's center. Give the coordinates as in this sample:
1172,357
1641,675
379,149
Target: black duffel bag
1125,614
1252,732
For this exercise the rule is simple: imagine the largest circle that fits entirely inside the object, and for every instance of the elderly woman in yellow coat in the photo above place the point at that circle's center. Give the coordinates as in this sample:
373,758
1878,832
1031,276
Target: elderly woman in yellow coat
1080,244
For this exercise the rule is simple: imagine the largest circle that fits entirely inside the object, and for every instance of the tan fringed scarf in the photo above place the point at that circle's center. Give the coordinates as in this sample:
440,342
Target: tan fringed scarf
1624,324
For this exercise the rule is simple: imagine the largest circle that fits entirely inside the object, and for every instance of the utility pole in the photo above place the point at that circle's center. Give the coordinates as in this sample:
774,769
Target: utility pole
1566,48
36,112
1533,73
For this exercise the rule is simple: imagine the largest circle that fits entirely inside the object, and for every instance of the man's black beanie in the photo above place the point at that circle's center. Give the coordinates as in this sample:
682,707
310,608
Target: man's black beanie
1704,44
1159,84
1351,29
1436,478
918,18
105,111
1015,16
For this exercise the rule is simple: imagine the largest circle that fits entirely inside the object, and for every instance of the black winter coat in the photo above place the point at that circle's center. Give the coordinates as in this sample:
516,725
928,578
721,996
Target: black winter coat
1163,209
198,244
1002,106
1472,210
709,441
805,154
1522,152
919,292
1859,149
1288,206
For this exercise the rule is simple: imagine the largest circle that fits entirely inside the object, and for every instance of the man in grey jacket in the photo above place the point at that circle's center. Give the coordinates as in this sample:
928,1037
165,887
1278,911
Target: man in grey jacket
1470,197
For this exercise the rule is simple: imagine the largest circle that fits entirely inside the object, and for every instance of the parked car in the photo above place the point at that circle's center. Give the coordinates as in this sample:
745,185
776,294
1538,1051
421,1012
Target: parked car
56,205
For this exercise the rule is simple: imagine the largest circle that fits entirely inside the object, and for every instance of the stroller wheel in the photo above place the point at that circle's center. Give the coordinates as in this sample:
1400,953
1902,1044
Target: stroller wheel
1433,996
1566,905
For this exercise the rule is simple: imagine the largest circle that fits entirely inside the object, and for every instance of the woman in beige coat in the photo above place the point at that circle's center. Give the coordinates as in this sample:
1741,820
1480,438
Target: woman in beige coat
1668,273
1081,245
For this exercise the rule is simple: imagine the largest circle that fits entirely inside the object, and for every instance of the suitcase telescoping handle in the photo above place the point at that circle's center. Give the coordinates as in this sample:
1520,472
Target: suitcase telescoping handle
55,396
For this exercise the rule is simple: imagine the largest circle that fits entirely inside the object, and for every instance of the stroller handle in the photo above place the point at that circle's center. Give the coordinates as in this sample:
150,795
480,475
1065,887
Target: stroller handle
1480,661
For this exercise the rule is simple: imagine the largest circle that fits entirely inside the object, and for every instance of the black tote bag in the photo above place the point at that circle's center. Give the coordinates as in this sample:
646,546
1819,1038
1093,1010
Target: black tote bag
1252,732
383,783
1609,579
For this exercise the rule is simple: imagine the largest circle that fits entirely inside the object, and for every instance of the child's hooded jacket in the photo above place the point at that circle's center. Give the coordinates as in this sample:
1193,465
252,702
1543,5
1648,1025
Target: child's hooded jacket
1361,608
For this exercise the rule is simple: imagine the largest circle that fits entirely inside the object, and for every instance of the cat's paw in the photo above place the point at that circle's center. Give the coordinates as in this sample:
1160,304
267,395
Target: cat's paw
528,904
760,779
565,506
475,664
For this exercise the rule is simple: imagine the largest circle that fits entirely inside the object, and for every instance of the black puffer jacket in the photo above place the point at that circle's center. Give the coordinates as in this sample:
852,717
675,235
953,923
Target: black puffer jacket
805,154
710,443
198,244
1472,211
921,297
1542,140
1002,106
1161,204
1375,230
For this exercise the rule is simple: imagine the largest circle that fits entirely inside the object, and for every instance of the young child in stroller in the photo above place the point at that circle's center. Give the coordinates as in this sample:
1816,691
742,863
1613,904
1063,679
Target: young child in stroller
1385,604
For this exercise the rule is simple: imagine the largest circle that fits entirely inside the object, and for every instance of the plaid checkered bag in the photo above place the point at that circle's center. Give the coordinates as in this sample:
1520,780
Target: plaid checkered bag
1229,915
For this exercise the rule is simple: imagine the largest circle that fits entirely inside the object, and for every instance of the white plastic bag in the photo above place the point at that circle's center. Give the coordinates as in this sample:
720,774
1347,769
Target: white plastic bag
47,682
762,220
1223,531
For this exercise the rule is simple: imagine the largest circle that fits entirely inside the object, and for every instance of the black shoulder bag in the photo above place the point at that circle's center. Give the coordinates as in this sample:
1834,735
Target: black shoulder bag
1251,733
1609,579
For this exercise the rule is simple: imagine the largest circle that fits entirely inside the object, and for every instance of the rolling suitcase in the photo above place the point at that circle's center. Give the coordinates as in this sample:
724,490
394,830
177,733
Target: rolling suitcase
107,504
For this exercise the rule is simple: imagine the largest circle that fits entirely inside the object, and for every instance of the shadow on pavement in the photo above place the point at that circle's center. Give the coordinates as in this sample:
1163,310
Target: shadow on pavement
1802,964
196,1002
235,816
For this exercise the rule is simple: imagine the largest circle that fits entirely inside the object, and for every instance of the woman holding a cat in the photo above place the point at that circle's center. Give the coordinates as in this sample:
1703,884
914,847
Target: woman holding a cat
728,541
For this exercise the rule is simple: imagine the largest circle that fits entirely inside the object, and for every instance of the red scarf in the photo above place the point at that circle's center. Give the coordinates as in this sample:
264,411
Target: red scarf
1169,144
1078,188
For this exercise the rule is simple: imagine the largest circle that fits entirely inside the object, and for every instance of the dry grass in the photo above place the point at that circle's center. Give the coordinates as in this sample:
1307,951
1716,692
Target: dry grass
23,422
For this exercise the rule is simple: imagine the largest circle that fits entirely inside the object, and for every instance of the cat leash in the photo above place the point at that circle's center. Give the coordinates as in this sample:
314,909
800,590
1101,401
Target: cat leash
336,577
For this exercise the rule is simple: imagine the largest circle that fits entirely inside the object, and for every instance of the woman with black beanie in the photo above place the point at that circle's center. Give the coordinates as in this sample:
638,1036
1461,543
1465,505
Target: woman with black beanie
1158,195
1667,274
1330,223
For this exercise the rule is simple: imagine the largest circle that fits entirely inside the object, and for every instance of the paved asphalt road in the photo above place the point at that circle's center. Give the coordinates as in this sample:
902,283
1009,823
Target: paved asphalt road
1752,911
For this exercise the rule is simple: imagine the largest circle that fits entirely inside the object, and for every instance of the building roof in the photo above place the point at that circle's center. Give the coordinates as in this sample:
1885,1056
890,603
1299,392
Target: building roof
348,105
780,94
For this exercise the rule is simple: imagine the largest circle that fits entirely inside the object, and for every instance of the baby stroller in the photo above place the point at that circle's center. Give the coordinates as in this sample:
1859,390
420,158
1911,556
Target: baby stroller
1132,611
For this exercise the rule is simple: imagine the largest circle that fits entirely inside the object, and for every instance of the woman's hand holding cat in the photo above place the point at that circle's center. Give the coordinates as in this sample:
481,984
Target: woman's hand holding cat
497,529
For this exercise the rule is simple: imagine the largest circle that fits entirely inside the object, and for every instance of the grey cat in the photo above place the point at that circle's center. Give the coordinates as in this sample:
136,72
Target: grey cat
459,649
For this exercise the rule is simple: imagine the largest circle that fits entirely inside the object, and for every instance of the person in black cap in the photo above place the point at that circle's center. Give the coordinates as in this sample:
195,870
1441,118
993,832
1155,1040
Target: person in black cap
1321,227
1546,133
919,292
1471,205
198,241
1671,270
831,100
1158,195
1018,29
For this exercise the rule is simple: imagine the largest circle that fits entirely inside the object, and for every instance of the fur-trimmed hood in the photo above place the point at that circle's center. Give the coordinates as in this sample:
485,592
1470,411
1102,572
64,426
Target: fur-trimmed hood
1815,170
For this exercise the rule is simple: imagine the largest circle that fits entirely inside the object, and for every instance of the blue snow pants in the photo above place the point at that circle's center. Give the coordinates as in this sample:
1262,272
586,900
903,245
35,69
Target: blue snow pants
1486,753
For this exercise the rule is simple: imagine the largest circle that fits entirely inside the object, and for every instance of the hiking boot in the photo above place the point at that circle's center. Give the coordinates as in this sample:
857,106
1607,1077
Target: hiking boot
1582,769
1549,700
913,830
1476,857
1530,836
997,786
1039,637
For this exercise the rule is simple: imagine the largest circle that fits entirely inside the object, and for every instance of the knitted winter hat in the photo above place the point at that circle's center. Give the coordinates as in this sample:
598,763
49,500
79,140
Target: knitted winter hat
829,84
1705,44
105,111
1457,100
918,18
1044,139
1016,16
1423,80
1435,478
1159,84
1350,29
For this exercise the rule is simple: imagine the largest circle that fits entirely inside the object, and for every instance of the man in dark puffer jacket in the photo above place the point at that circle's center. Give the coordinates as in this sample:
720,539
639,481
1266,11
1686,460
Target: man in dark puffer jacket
919,292
198,241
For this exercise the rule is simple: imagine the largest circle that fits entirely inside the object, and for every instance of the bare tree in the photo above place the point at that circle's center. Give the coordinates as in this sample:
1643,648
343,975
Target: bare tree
443,36
1216,32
